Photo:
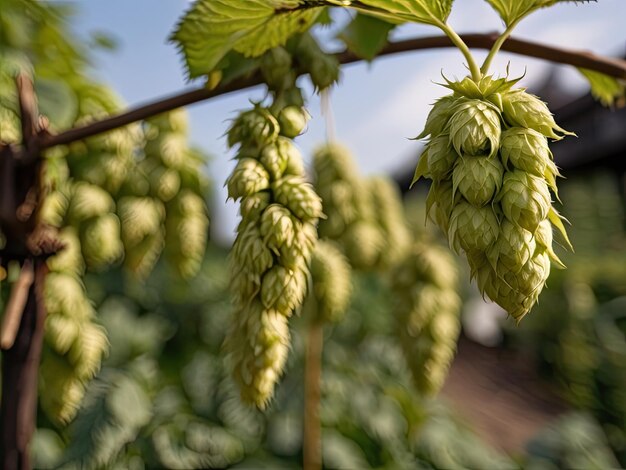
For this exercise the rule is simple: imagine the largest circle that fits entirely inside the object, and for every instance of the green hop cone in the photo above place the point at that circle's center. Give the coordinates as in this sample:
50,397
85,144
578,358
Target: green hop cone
258,348
254,127
250,250
528,150
330,281
472,228
278,227
389,215
275,157
140,217
283,289
525,110
478,179
164,182
170,149
513,248
299,197
293,120
252,206
475,128
89,201
363,243
441,157
525,199
248,177
102,244
439,116
69,259
299,254
439,204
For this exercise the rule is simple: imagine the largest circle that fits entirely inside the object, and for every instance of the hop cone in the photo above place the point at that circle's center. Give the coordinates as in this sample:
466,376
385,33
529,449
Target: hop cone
270,256
427,314
363,217
330,282
493,174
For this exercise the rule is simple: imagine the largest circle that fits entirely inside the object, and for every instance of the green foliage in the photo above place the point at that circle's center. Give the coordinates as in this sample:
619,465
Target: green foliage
608,90
366,35
211,29
512,11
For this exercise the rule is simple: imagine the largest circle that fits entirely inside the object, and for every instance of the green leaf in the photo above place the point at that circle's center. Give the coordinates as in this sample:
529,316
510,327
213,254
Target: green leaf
212,28
512,11
431,12
608,90
57,101
366,36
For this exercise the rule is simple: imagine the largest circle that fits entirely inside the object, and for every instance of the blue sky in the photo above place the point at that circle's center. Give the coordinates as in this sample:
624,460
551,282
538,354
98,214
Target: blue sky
376,107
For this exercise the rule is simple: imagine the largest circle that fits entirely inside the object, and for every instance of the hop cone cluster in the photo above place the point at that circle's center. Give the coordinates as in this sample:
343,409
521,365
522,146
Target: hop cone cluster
427,311
364,216
74,343
270,256
331,284
492,174
150,176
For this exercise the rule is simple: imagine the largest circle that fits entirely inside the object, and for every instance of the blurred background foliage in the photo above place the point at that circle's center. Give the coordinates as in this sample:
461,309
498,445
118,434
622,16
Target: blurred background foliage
164,399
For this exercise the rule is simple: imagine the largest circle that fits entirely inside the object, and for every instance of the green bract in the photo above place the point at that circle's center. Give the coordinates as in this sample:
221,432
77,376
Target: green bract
495,204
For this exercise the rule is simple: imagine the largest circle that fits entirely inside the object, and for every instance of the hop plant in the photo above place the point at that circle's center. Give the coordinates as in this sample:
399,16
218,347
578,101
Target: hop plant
492,174
271,254
427,313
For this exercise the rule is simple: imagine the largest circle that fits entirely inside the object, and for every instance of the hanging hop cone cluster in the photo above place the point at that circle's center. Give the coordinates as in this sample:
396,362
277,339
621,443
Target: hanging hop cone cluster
427,310
270,256
331,283
74,343
363,216
492,173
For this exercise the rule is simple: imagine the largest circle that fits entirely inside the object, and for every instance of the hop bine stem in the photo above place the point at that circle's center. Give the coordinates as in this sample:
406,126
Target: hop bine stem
497,46
458,42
